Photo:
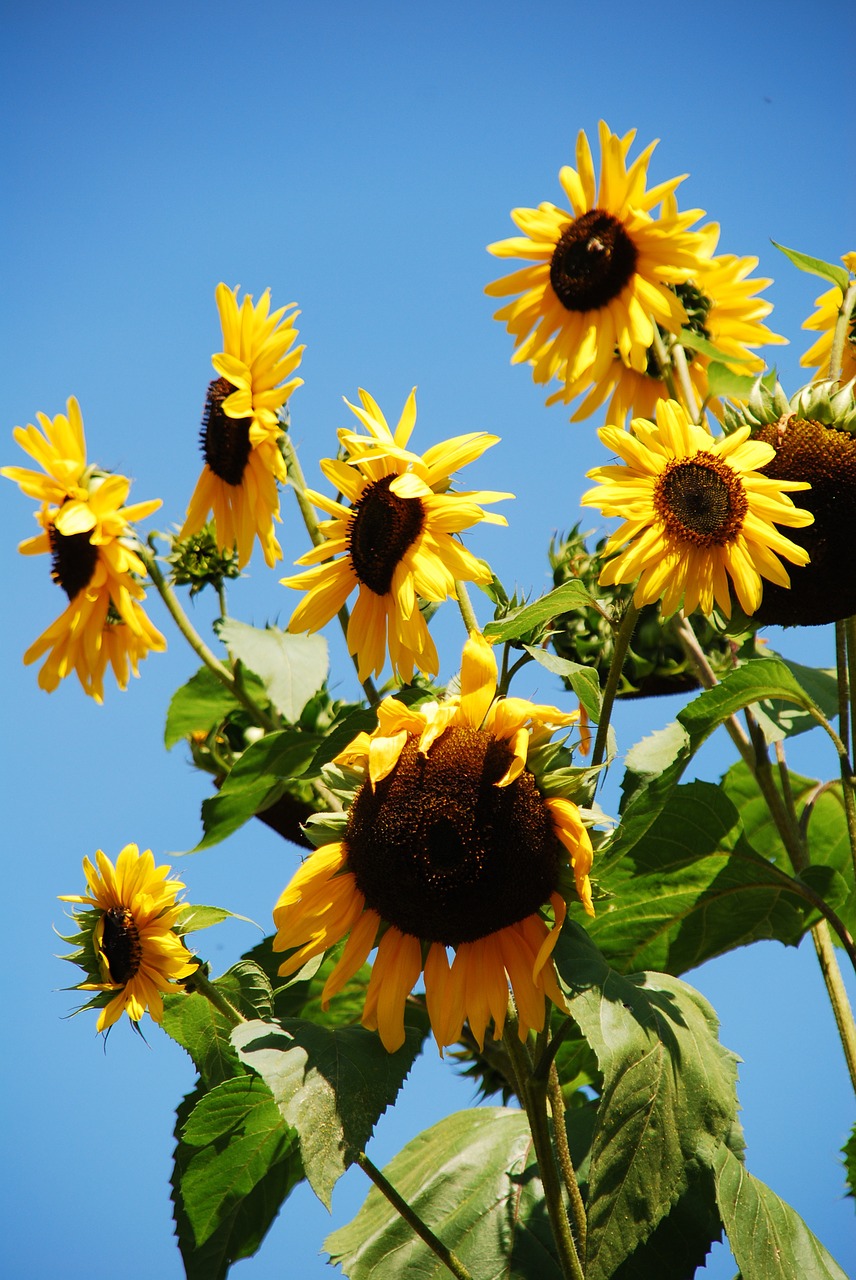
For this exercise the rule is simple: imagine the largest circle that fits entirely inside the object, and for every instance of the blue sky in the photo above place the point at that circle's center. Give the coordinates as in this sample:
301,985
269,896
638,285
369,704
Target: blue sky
356,159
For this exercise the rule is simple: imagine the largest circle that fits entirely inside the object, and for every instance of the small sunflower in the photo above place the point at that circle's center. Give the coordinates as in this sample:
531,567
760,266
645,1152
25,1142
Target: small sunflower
722,307
86,529
127,942
823,322
450,842
696,510
601,272
240,428
396,541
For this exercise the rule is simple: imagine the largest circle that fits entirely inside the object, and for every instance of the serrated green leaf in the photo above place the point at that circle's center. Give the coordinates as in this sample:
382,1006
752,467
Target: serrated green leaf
197,707
204,1033
522,621
816,266
473,1179
292,668
767,1237
680,1242
583,680
754,682
331,1085
229,1145
653,768
255,782
668,1094
691,887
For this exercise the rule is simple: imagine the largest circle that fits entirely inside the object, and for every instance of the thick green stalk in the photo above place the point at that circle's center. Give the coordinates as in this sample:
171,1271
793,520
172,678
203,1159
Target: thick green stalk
613,679
839,335
449,1259
466,608
199,983
566,1164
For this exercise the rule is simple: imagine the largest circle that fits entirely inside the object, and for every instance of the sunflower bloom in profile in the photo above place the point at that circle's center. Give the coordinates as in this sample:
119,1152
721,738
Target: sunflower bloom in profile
127,942
696,512
240,428
722,309
395,541
823,322
450,843
86,529
600,271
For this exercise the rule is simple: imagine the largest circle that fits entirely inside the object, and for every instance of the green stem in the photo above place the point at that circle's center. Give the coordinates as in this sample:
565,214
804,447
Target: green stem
466,608
679,360
664,362
841,1009
450,1260
197,644
566,1164
849,626
297,484
533,1095
198,982
613,679
839,336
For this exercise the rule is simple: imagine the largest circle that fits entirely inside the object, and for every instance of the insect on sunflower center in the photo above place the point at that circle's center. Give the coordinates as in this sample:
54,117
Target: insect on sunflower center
593,261
382,528
442,852
73,560
120,942
701,501
225,441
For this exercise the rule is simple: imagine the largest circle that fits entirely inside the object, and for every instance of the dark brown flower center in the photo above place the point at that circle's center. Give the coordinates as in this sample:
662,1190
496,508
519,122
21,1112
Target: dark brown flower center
120,942
382,527
443,853
73,560
225,441
701,501
593,261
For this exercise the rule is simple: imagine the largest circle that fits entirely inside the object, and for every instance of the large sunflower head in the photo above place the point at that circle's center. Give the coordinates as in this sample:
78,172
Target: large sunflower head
127,942
395,541
86,530
697,511
451,843
600,270
240,427
823,322
722,308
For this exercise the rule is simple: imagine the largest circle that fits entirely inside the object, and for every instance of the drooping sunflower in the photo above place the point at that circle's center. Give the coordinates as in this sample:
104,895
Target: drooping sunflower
600,272
451,842
86,529
240,429
722,308
396,541
127,942
823,322
696,511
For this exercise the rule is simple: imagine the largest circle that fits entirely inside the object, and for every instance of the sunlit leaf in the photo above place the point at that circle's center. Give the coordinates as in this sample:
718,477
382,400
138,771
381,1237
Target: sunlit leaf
816,266
522,621
292,668
582,679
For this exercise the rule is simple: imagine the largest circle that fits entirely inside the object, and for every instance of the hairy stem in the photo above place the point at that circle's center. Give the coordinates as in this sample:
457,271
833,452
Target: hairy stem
199,984
466,608
619,653
566,1164
839,336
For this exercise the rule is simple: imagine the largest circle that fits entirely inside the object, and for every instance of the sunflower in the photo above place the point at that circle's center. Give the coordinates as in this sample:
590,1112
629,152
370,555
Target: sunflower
722,308
86,529
600,274
127,942
823,322
695,510
240,428
449,843
396,539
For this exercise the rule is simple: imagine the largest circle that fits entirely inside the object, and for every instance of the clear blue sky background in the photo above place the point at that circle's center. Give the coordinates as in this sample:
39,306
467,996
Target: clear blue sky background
356,158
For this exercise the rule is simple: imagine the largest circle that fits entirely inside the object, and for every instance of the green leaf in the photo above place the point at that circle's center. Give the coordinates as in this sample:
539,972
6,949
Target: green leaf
680,1242
197,706
235,1163
473,1179
583,680
300,997
522,621
331,1085
292,668
756,681
691,887
693,341
194,1023
816,266
255,782
769,1240
195,917
668,1094
849,1153
722,381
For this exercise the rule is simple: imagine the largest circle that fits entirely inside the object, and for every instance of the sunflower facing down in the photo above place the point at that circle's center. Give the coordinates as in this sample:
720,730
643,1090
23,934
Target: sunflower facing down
396,541
600,273
127,942
86,529
823,321
696,511
449,844
240,428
